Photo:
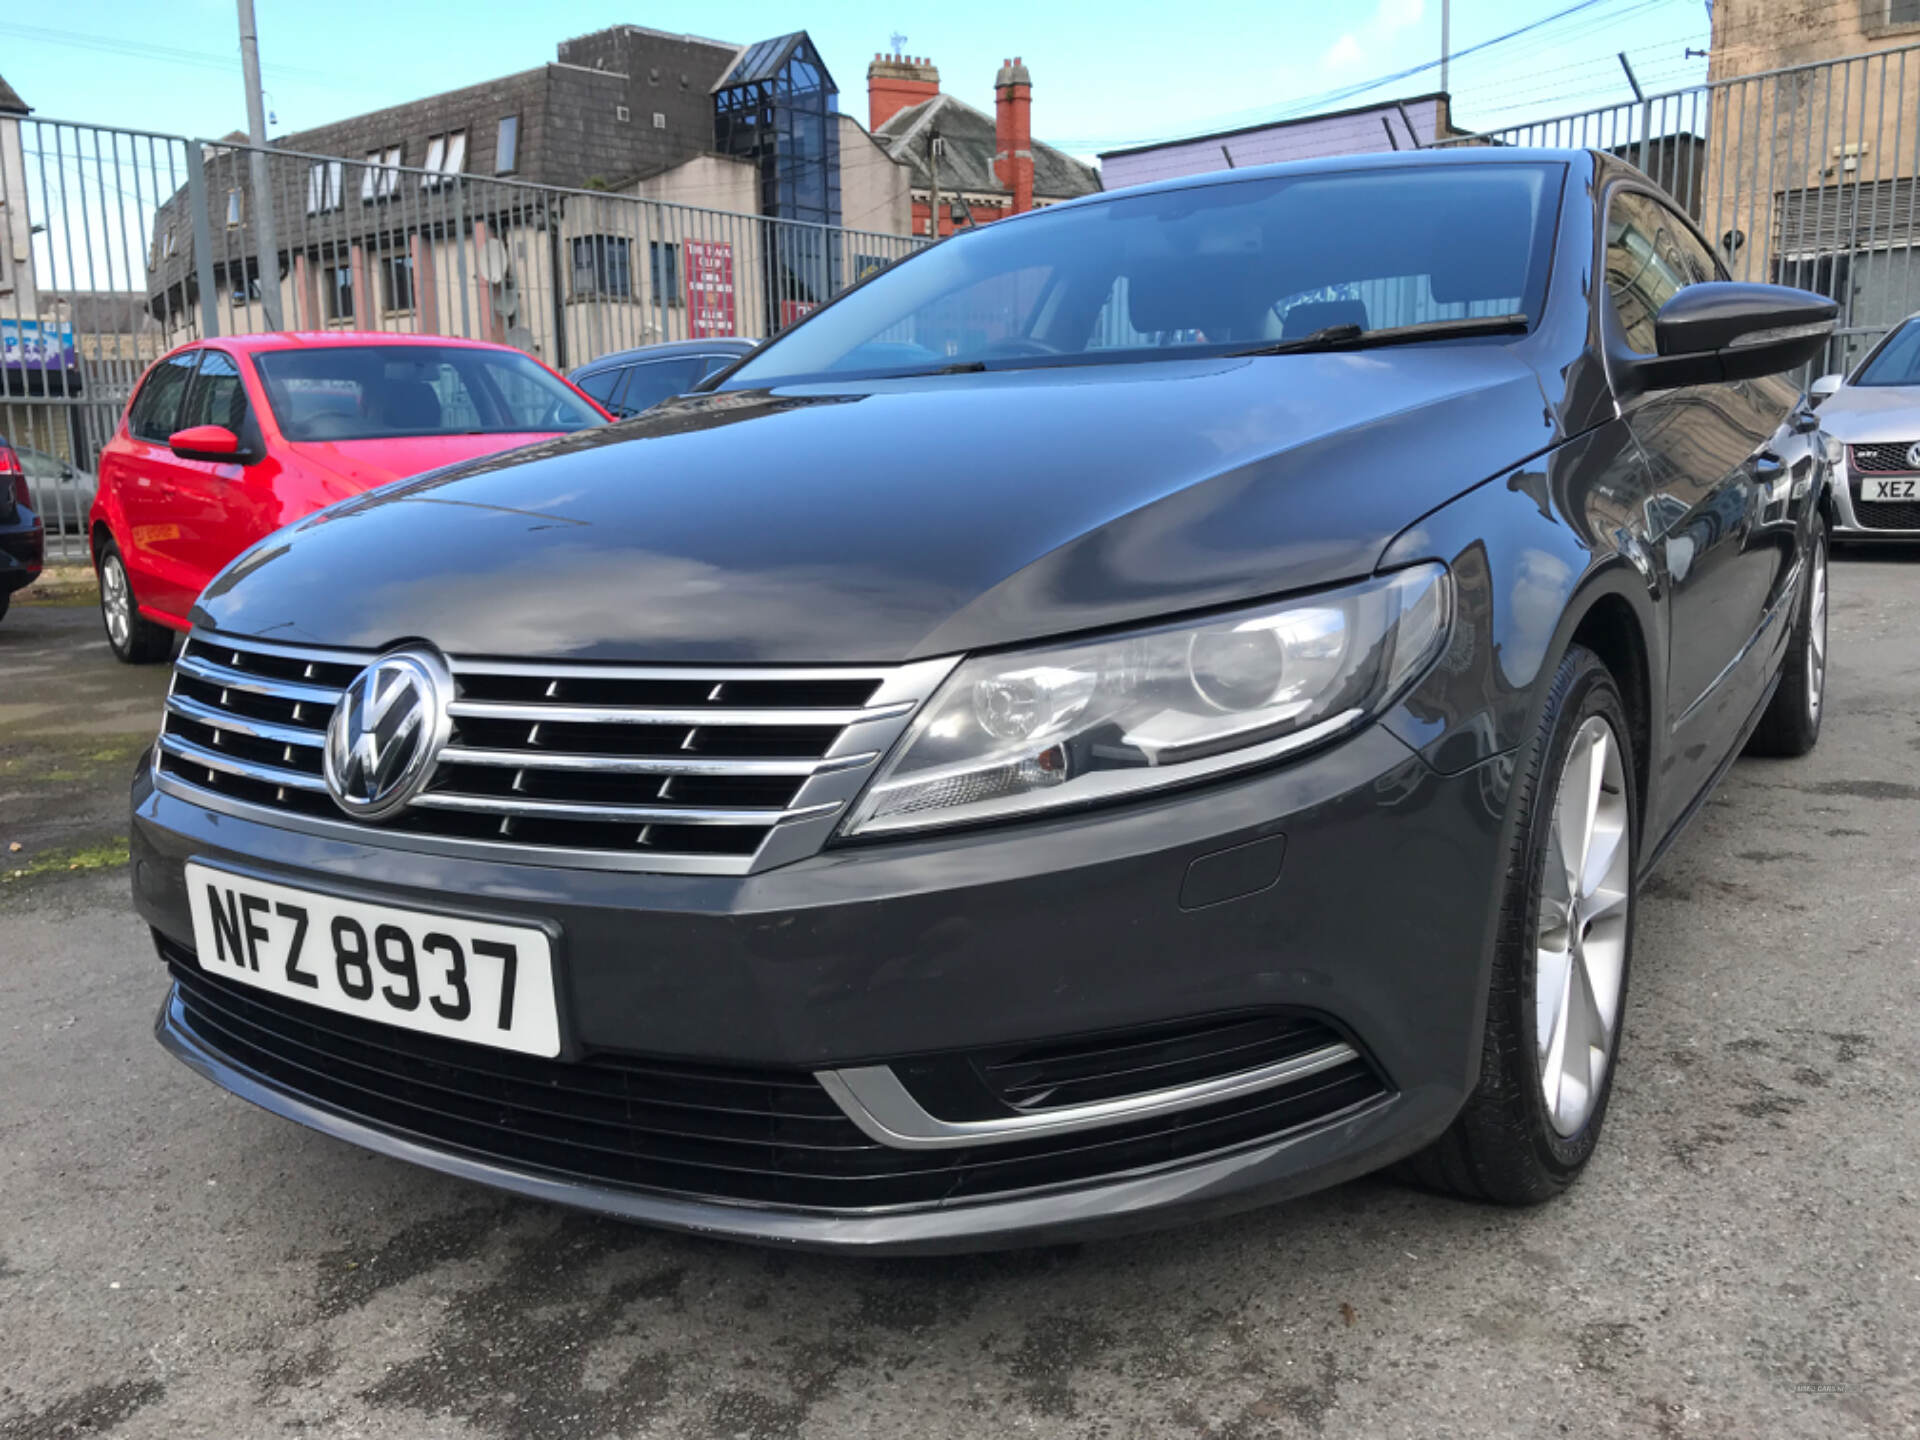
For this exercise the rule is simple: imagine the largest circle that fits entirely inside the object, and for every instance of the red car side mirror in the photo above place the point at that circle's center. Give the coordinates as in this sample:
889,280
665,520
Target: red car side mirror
205,442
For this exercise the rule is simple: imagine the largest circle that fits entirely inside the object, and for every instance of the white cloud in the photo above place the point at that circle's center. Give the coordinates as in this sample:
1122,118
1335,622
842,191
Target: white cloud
1356,47
1346,54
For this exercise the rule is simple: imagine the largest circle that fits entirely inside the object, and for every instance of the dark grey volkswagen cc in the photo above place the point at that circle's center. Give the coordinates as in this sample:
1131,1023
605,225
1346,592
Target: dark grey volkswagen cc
1141,709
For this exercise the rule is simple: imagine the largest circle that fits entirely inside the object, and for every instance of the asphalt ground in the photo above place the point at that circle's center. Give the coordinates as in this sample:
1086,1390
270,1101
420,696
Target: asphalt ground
1742,1259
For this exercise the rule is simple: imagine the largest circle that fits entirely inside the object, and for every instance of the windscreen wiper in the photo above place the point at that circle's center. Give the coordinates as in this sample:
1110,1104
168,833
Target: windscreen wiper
1355,337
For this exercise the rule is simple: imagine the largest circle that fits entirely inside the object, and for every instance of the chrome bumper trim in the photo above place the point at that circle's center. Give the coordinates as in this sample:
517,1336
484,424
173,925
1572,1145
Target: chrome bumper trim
875,1100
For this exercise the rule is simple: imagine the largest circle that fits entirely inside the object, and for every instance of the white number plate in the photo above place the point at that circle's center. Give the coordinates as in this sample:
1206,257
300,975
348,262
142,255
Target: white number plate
1890,487
464,979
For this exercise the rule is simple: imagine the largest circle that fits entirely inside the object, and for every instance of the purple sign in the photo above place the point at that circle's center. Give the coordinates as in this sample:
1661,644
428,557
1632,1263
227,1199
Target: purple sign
36,345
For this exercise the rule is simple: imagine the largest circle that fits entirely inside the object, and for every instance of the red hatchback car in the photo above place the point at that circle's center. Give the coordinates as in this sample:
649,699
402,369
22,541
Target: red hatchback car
227,440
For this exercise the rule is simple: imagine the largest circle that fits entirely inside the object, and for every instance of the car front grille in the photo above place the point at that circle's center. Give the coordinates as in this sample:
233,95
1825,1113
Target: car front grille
1887,515
733,1133
655,767
1882,459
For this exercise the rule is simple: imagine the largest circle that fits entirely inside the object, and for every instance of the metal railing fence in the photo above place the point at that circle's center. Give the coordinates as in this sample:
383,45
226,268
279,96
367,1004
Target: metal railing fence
1806,175
136,243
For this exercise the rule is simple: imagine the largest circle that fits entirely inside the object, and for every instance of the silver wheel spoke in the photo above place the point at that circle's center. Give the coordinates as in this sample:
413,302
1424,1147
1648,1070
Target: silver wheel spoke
1581,942
1550,1002
1817,629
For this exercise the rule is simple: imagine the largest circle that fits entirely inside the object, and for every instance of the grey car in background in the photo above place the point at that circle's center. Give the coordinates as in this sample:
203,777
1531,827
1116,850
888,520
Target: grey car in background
62,491
628,382
1873,418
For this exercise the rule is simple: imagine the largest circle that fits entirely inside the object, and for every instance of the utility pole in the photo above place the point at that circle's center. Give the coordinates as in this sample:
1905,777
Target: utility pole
1446,26
265,243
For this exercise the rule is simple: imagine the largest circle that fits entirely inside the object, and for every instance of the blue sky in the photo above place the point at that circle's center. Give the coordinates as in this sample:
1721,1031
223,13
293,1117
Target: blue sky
1106,75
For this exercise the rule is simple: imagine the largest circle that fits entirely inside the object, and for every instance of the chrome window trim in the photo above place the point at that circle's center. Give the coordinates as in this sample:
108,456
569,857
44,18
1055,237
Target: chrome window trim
875,1100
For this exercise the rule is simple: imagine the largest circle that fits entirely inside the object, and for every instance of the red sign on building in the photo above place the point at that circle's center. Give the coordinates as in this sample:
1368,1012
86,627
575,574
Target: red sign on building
709,288
792,312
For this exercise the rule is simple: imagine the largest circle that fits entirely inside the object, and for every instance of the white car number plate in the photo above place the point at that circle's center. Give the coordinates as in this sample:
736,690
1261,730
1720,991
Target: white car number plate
1890,487
464,979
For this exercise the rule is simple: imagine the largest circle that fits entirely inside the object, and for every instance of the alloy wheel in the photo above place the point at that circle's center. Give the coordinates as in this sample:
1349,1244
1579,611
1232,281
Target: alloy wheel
116,601
1817,628
1581,941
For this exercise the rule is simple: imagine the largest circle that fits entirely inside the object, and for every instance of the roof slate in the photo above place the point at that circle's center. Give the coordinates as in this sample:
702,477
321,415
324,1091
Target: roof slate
971,143
10,101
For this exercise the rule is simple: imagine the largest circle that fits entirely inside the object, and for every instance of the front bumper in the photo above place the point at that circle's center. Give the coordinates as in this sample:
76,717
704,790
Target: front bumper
1854,519
1380,924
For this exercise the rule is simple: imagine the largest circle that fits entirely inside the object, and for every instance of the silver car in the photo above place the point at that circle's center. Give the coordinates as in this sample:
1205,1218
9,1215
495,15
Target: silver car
62,492
1873,415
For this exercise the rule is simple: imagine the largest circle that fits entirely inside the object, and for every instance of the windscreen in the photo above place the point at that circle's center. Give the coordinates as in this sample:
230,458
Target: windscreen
1895,363
380,392
1199,269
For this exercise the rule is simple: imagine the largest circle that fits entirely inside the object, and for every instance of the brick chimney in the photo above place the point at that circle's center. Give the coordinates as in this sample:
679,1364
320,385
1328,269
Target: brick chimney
896,81
1013,132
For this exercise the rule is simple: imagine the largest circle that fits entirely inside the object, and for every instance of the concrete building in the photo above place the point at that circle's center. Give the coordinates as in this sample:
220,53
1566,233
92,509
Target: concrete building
447,214
1406,124
984,165
40,379
1814,157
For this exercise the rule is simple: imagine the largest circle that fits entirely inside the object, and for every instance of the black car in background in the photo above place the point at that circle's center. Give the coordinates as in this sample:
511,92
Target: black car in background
628,382
23,534
1143,708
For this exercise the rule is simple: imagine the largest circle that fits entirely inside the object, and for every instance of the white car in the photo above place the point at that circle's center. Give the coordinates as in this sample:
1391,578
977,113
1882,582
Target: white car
1874,416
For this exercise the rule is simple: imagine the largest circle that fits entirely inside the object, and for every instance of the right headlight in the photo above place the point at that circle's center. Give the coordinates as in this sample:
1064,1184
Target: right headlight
1032,730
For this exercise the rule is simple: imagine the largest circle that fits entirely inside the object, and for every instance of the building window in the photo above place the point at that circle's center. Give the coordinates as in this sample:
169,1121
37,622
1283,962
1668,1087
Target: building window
664,259
1882,15
602,267
236,209
446,158
396,281
338,280
622,114
381,177
323,186
506,149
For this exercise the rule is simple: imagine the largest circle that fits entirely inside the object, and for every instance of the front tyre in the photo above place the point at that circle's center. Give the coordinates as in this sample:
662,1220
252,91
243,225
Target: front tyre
135,639
1791,724
1560,959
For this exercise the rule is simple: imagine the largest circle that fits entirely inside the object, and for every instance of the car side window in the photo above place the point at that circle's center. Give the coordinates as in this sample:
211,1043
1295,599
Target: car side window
656,380
217,397
158,408
601,384
1651,256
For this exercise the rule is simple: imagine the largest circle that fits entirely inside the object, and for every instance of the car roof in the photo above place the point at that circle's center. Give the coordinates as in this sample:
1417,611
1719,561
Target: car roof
308,339
1442,156
667,350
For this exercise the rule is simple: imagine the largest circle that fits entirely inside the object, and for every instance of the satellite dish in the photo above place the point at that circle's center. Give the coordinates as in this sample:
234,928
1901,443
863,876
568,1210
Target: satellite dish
493,262
521,338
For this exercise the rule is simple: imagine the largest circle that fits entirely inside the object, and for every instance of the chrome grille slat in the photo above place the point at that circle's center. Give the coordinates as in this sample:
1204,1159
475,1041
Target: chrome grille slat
247,769
671,765
678,717
542,670
517,805
219,719
232,679
603,766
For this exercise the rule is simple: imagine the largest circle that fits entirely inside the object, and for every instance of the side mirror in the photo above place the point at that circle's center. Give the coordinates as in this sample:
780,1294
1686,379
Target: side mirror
1724,330
1822,388
205,442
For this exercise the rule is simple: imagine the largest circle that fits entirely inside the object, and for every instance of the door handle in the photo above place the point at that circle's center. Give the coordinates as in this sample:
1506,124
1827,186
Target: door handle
1766,467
